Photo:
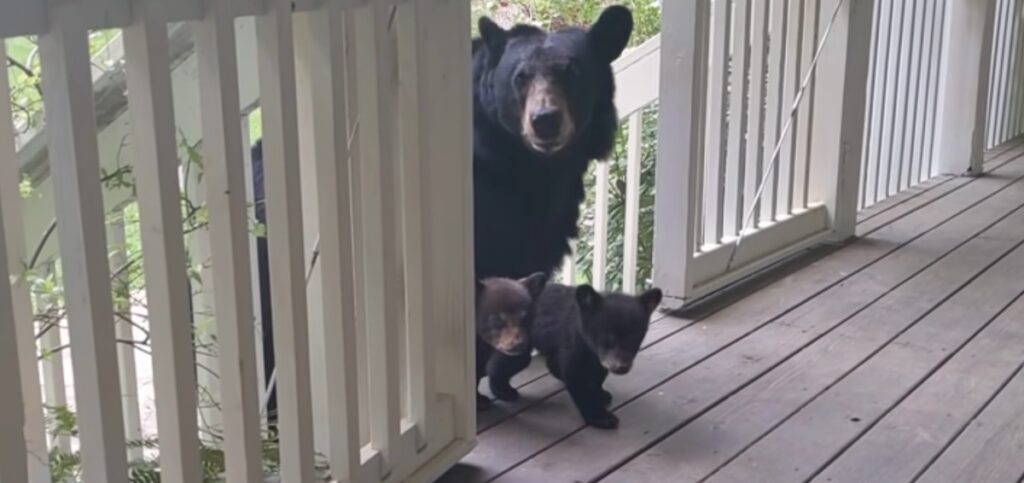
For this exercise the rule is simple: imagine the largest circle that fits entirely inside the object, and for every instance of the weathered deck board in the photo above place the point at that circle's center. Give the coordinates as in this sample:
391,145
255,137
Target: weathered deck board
901,445
990,448
690,366
820,427
713,439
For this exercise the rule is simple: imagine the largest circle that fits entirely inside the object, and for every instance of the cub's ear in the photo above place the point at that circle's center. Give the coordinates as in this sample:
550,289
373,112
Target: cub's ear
588,299
494,38
535,283
480,288
610,34
650,300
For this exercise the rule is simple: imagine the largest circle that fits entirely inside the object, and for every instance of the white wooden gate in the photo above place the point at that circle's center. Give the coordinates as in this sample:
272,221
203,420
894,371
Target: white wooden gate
351,92
731,73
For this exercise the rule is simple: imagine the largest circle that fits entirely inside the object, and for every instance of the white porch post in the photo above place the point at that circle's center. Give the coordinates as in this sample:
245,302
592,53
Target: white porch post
838,144
684,40
964,86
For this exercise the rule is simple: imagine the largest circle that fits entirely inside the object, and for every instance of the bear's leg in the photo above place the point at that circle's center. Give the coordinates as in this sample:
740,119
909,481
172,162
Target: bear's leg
483,354
500,371
605,395
590,399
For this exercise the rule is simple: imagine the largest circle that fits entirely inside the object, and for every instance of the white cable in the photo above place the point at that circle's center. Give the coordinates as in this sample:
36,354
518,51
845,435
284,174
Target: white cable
782,136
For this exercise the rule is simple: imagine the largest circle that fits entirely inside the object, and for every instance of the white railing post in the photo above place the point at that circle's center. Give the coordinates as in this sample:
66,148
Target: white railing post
322,56
156,166
599,256
74,167
283,185
13,227
124,333
416,110
964,85
13,451
375,52
838,143
634,168
225,193
684,41
448,204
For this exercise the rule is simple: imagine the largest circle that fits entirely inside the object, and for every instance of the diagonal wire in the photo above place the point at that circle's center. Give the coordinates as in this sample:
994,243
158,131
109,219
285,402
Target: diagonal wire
773,164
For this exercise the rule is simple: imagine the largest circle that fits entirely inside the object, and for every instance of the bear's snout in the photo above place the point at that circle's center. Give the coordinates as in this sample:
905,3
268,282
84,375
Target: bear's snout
512,341
547,123
617,363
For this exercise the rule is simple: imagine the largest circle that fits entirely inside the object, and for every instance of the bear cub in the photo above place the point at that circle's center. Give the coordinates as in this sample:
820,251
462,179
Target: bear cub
504,309
583,336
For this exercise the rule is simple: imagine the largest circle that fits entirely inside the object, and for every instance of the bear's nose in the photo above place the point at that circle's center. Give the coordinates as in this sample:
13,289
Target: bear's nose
546,123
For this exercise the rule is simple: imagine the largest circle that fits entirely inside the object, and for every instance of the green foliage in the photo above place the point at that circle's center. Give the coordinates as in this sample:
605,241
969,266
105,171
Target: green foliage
25,188
552,14
23,73
61,421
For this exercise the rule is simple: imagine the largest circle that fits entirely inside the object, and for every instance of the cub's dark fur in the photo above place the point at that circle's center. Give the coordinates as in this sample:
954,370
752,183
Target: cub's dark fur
583,336
504,310
543,108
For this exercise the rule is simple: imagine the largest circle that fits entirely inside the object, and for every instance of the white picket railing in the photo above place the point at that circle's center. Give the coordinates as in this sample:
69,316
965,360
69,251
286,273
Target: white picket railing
349,167
1006,88
906,56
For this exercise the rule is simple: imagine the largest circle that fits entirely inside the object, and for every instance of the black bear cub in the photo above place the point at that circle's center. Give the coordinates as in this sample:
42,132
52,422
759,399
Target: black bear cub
504,309
583,336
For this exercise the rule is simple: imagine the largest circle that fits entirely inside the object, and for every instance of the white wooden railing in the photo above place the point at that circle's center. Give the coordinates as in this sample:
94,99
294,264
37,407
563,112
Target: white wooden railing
753,57
884,110
373,202
1006,89
906,57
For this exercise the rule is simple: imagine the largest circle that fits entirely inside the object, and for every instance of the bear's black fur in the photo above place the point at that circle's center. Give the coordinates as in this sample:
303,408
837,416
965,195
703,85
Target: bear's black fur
542,110
504,311
583,336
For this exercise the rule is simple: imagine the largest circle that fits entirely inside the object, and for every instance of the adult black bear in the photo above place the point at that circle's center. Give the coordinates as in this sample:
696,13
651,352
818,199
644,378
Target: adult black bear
543,108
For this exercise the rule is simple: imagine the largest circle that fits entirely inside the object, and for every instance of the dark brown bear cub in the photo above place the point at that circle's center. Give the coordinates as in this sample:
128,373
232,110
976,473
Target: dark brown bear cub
504,309
583,336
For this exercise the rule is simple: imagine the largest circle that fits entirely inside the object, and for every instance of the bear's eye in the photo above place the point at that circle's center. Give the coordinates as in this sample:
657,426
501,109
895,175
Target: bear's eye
519,79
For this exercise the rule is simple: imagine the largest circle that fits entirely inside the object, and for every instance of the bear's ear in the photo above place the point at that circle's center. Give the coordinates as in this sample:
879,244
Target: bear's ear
494,38
610,34
535,283
588,299
650,300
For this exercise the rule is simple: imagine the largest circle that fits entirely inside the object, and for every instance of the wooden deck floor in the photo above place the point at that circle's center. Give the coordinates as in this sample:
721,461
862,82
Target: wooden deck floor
896,358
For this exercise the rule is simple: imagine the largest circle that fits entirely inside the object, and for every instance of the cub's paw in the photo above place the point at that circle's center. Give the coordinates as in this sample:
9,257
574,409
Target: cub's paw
604,421
505,393
606,398
482,402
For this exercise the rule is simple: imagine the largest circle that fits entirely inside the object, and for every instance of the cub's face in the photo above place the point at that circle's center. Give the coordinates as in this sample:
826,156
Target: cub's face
614,325
504,308
544,86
